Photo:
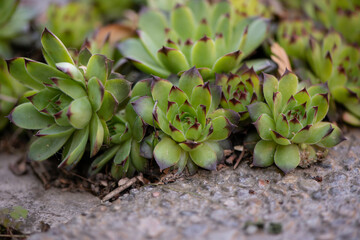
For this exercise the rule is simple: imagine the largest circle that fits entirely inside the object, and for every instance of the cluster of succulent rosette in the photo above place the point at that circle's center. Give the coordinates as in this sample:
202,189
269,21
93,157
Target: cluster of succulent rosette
205,86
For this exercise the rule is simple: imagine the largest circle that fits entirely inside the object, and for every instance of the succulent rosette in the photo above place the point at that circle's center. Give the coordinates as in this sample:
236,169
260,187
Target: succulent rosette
10,92
211,37
343,16
337,63
127,131
293,36
72,22
71,102
239,91
190,126
290,123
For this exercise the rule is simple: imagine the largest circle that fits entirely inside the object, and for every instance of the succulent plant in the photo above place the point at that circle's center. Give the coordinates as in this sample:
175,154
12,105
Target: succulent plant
293,36
252,8
165,5
290,123
71,103
239,91
10,92
72,22
343,16
127,130
213,38
190,126
14,21
337,63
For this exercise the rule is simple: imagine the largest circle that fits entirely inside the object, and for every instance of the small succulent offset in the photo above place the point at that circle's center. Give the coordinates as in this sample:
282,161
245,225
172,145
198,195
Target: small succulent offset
343,16
127,130
10,92
72,22
290,123
190,126
239,91
211,37
71,102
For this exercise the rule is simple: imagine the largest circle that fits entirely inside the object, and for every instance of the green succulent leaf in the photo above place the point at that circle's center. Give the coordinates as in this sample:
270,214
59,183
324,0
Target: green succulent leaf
18,70
173,59
123,154
288,85
97,67
120,88
264,124
55,48
203,53
103,159
108,106
55,131
27,116
96,135
189,80
144,107
183,22
222,128
70,87
43,73
160,90
201,95
287,157
204,156
332,138
167,153
79,112
264,153
279,139
257,108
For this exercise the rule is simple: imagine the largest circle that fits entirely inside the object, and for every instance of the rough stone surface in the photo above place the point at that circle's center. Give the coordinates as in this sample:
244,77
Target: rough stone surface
51,206
322,202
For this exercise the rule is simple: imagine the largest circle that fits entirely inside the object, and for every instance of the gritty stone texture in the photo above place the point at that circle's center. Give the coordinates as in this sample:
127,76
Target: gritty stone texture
248,203
51,206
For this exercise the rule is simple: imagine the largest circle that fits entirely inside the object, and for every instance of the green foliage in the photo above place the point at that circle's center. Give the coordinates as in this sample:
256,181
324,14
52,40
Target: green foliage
72,22
239,91
190,125
290,117
72,101
213,38
13,217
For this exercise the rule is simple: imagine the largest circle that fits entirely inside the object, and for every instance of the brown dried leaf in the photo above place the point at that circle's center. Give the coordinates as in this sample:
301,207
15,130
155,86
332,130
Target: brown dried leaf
280,58
116,32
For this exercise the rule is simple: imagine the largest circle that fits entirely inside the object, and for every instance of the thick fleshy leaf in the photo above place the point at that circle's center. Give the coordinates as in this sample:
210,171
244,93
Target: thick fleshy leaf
194,132
256,34
302,96
42,72
203,53
161,120
322,101
271,86
189,146
101,160
222,128
264,153
26,116
279,139
173,59
142,88
232,116
333,138
44,98
189,80
139,162
123,153
96,92
75,149
177,95
46,146
204,156
55,131
18,71
183,22
96,135
154,23
318,131
55,48
264,124
167,153
201,95
97,67
288,85
73,72
160,90
302,135
108,106
139,129
277,101
79,112
144,107
227,62
70,87
282,125
287,157
120,88
258,108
